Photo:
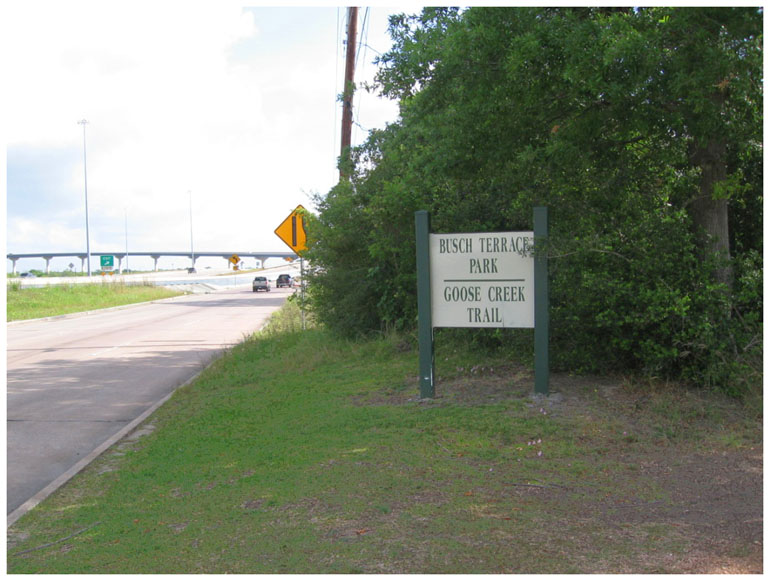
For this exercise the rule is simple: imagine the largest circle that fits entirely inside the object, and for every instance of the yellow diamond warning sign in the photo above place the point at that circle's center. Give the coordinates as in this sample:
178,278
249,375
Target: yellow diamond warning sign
292,231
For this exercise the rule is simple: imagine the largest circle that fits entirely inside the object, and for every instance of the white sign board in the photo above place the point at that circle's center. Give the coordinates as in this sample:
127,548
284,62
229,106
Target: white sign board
482,279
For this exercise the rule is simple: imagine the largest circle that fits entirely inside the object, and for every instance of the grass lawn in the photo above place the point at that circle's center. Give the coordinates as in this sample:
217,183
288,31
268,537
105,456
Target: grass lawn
301,453
34,303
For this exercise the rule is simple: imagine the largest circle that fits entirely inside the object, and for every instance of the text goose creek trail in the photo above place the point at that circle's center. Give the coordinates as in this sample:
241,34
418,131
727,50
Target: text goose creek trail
483,280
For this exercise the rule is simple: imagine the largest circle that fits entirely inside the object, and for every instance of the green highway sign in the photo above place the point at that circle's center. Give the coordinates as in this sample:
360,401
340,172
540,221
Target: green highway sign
107,262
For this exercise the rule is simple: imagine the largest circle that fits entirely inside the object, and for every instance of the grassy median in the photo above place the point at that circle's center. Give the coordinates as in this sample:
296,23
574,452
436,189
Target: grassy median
302,453
34,303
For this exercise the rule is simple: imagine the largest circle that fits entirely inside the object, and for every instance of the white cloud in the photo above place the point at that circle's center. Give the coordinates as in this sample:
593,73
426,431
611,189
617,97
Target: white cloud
41,237
198,96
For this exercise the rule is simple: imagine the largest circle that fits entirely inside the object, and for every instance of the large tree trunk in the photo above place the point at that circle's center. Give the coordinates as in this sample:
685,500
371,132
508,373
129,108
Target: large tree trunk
709,215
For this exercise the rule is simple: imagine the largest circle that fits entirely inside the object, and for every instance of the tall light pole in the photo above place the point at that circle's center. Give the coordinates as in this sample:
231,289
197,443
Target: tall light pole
83,122
125,216
192,255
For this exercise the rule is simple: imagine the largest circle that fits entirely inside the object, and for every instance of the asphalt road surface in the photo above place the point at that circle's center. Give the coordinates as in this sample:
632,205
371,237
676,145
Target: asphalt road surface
78,382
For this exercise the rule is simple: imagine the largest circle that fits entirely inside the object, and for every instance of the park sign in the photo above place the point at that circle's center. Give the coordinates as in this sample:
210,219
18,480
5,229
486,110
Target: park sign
482,279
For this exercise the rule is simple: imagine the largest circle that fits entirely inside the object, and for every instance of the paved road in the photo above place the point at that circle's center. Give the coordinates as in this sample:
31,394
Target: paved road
217,278
75,382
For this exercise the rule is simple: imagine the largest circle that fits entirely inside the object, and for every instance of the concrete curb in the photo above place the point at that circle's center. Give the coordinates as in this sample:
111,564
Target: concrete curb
104,446
123,432
94,454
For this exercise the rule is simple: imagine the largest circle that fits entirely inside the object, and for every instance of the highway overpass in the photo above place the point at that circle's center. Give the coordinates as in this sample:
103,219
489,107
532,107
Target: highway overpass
47,256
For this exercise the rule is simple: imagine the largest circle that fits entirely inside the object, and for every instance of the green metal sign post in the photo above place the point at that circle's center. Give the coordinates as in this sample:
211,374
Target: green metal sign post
424,318
541,300
492,290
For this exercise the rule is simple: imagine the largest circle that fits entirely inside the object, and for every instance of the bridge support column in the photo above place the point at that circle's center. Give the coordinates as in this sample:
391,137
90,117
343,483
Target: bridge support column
155,258
82,258
13,268
47,264
120,258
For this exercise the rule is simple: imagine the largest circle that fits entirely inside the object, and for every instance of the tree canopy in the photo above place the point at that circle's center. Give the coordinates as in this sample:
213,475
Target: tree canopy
641,129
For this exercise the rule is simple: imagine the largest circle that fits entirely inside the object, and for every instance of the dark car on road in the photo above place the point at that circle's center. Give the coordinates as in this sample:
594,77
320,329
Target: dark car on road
260,283
283,280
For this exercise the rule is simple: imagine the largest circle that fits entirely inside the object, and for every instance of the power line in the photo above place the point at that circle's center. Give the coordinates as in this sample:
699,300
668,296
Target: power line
361,38
371,49
361,42
337,43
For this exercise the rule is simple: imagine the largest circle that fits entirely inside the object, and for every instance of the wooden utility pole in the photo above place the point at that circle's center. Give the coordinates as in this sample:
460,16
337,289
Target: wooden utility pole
349,88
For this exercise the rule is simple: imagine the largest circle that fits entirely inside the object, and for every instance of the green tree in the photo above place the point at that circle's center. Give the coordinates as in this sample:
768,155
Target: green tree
640,128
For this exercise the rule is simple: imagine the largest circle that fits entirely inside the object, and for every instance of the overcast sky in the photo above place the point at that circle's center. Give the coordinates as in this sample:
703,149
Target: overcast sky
235,108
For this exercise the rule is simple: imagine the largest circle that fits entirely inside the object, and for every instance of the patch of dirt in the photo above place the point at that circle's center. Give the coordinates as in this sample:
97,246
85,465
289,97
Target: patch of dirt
253,504
701,453
15,538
